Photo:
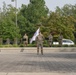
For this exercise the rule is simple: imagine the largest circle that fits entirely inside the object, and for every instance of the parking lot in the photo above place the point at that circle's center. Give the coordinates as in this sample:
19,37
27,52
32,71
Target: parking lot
29,62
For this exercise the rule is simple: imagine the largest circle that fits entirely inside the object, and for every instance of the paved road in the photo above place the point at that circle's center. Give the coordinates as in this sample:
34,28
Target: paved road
29,62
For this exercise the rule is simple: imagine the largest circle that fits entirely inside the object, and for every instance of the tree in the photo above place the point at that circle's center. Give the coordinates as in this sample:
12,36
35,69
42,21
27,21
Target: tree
68,10
30,16
36,10
59,24
8,28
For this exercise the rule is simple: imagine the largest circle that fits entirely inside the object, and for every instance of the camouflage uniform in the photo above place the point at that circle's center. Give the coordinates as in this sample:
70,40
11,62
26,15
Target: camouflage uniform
25,40
60,39
39,41
50,40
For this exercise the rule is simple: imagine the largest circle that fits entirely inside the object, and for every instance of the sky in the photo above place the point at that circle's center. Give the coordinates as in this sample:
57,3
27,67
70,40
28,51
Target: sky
51,4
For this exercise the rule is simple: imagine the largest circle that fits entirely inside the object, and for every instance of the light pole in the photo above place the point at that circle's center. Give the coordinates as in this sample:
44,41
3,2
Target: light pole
16,10
15,40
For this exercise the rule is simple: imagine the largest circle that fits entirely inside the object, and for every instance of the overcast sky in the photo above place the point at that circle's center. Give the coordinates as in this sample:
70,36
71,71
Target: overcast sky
51,4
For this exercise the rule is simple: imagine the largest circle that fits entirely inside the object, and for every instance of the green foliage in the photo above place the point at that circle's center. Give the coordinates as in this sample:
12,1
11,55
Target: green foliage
31,45
8,28
15,45
45,45
21,45
59,24
34,15
69,12
30,16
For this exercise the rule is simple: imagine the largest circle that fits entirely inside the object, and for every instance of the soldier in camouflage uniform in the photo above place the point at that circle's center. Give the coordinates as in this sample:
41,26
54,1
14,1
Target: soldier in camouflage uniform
39,41
50,37
25,40
60,39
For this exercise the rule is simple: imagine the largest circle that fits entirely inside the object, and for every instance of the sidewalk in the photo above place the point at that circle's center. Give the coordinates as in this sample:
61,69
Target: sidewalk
37,73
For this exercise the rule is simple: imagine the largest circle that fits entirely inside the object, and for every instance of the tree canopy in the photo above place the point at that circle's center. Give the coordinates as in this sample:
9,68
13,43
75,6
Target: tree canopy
34,15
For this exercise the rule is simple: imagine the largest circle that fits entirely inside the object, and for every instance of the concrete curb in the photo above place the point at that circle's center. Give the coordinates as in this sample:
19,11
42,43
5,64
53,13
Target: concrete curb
37,73
51,49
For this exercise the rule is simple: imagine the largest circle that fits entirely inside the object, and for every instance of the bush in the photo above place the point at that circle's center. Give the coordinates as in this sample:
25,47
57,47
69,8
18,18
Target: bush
15,45
55,46
31,45
6,45
1,45
45,42
34,45
65,46
21,45
72,46
45,45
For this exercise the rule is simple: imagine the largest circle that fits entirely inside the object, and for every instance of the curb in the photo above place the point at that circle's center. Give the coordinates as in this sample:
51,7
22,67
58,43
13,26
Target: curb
37,73
52,49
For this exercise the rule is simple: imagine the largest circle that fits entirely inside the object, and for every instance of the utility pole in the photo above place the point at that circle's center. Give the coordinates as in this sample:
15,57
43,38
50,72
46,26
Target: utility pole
15,39
16,10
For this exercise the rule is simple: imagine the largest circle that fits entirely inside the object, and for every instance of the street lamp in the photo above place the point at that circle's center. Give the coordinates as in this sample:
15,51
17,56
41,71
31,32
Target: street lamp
15,40
16,10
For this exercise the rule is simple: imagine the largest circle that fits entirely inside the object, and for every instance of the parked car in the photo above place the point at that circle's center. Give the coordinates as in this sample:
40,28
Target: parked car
65,42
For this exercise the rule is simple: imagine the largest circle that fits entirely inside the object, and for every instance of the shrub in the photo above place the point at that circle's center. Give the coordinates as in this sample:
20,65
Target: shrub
21,45
45,45
15,45
31,45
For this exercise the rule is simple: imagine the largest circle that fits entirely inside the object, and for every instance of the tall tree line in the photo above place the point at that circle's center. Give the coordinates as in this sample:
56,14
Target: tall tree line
34,15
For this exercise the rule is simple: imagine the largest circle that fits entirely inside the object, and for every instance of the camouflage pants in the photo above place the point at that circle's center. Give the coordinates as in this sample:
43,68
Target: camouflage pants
60,43
50,43
40,44
25,43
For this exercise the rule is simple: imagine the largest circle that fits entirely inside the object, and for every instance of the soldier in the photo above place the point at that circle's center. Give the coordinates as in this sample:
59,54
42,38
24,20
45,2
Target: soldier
25,40
60,39
50,37
39,41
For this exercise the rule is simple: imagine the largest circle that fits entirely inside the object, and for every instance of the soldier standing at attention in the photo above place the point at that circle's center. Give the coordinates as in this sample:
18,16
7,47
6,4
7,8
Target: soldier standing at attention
25,40
50,37
39,41
60,39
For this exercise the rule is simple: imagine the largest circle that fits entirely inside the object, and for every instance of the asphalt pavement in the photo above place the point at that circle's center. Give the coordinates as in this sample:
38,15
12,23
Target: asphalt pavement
27,62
